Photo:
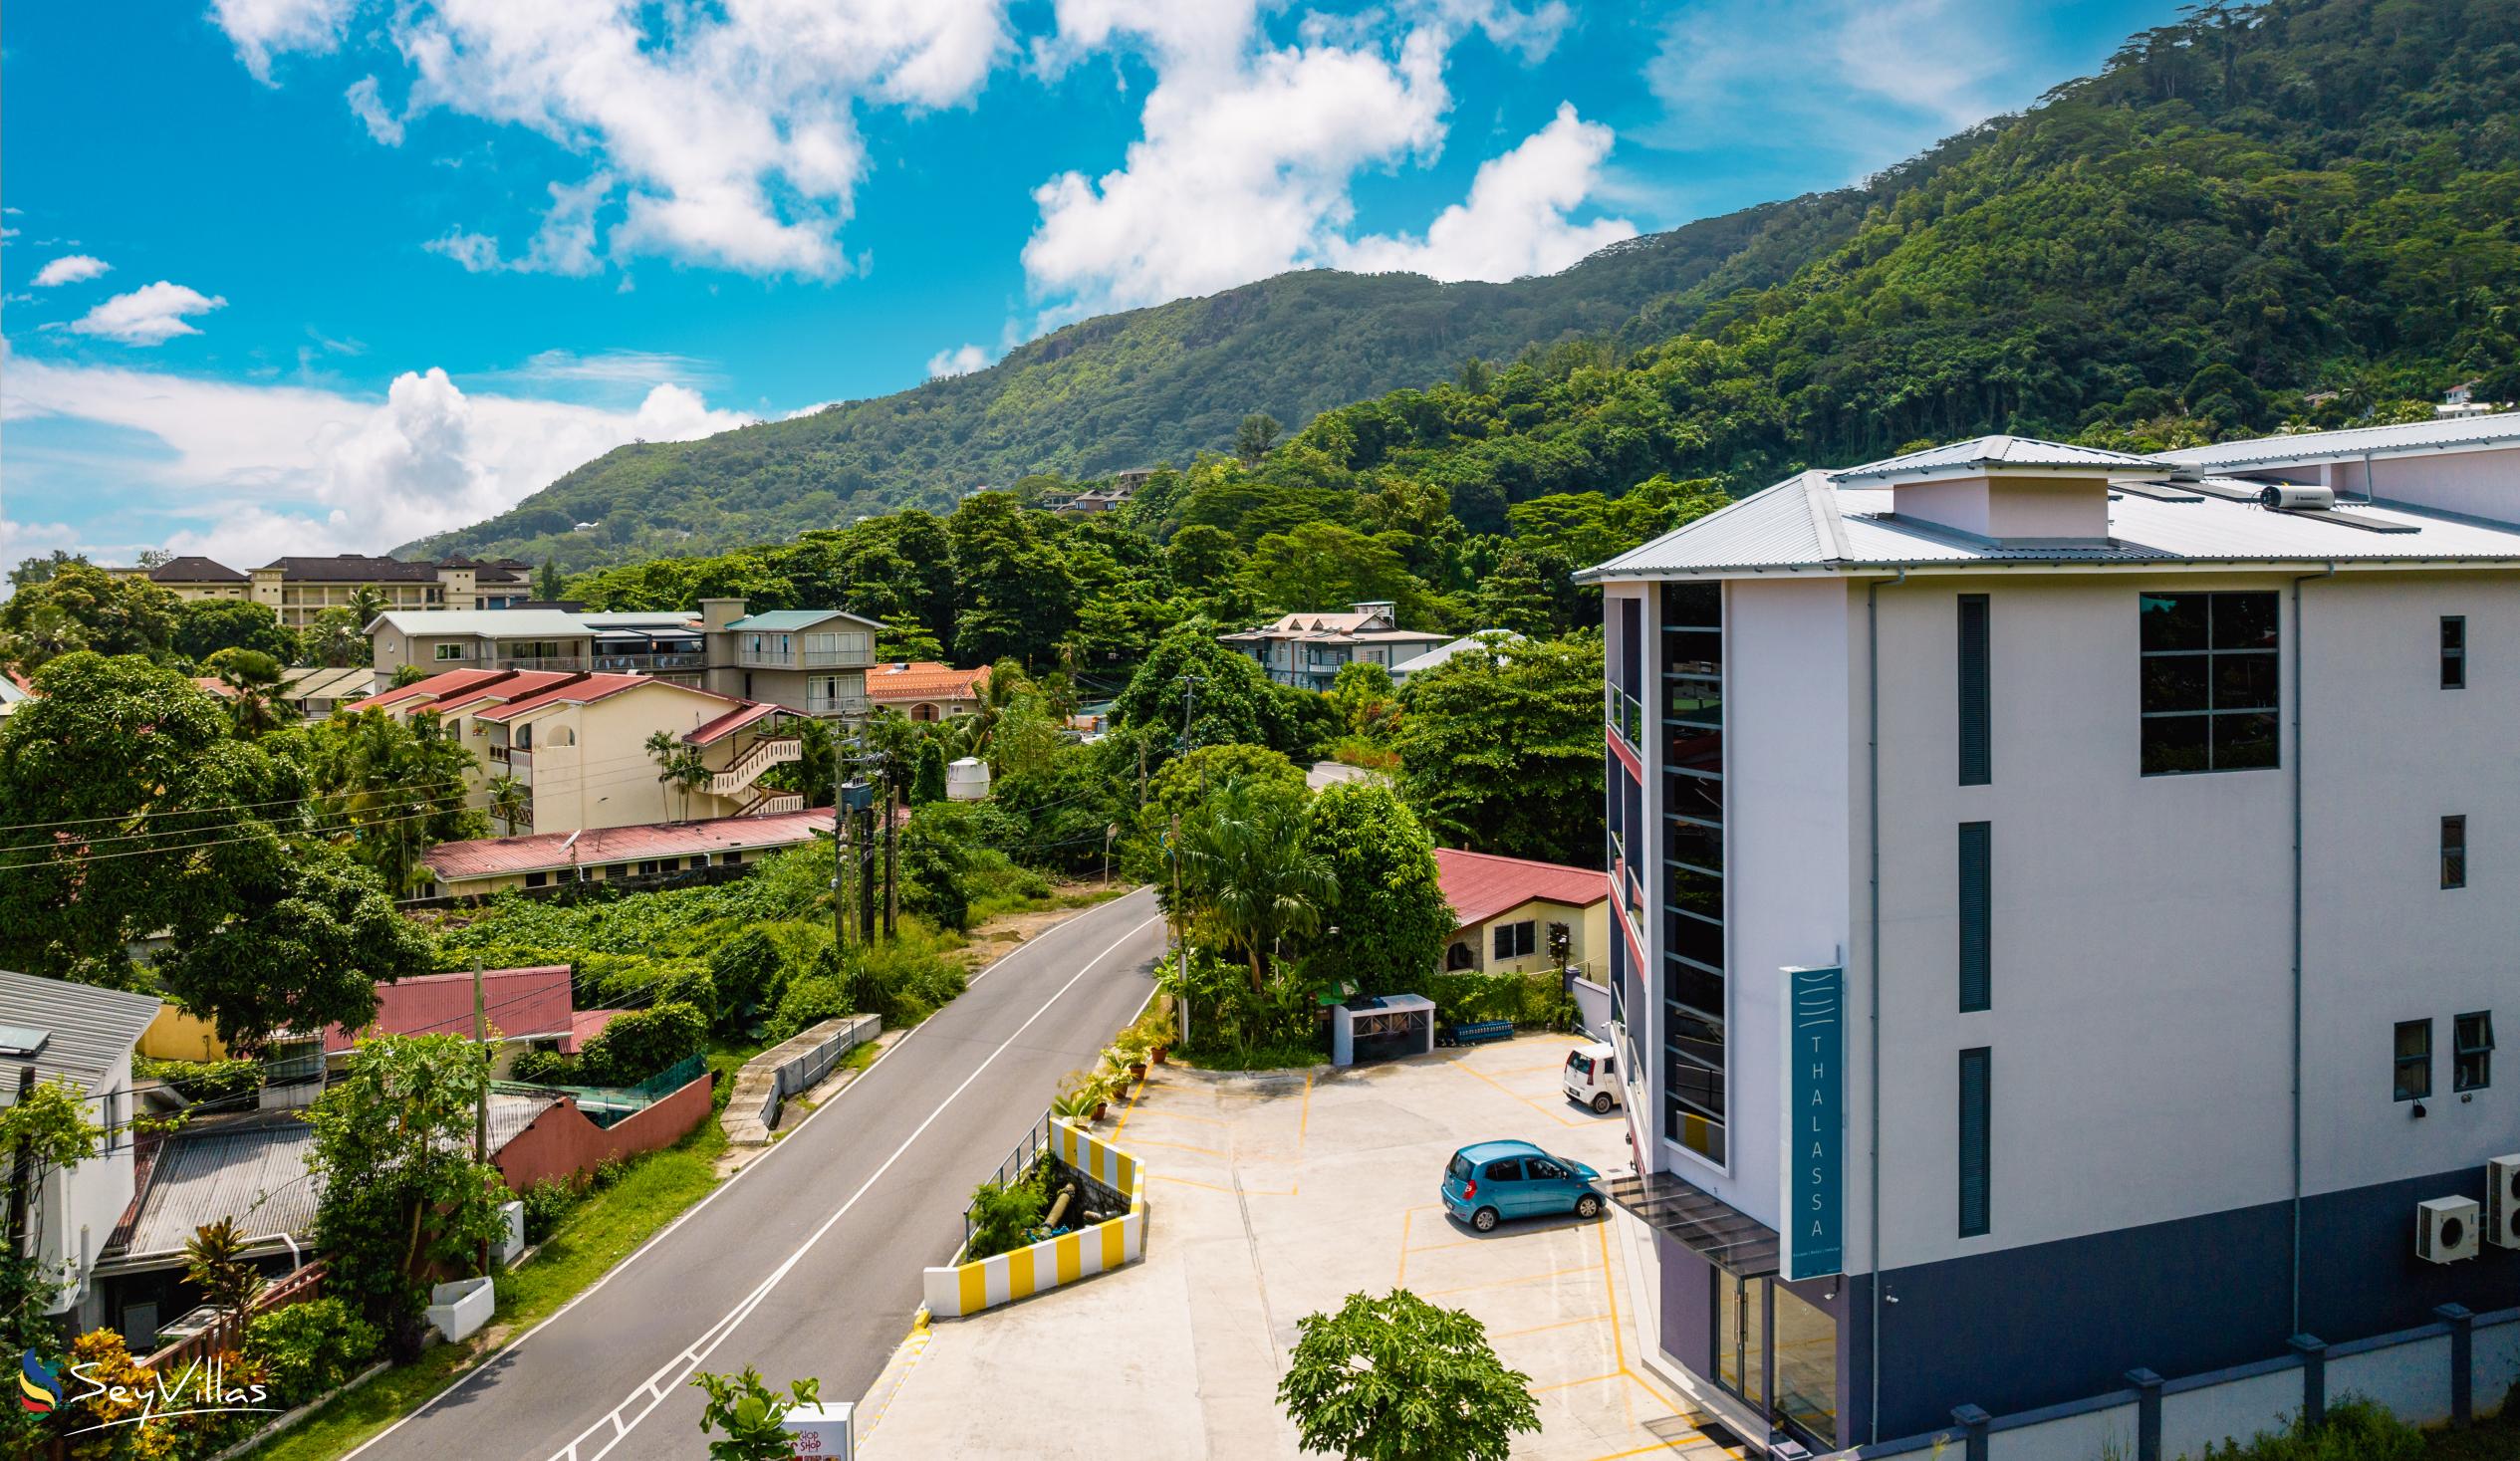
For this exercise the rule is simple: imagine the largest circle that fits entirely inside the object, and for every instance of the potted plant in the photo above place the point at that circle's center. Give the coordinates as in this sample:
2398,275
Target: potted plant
1077,1104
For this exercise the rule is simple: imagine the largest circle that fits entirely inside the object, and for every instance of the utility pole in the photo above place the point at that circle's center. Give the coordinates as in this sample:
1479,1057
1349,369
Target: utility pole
1180,952
22,1173
892,860
482,1106
839,848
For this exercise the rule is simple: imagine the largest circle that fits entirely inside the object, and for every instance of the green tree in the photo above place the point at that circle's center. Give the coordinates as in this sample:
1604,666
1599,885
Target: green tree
81,606
1247,877
936,865
387,788
35,569
334,641
1017,598
1368,705
402,1195
549,584
365,602
151,817
1253,438
1397,1378
1387,897
206,627
301,947
749,1412
1202,556
1182,784
680,767
1228,696
906,636
928,783
1323,566
1501,749
1514,597
253,681
215,1263
511,804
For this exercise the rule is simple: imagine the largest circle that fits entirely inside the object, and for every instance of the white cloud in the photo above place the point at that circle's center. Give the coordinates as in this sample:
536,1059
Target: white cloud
1515,222
261,29
70,268
149,314
732,130
565,244
366,103
961,361
1249,150
288,469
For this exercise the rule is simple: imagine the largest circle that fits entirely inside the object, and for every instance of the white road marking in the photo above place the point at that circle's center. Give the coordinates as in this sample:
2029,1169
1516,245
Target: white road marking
673,1370
483,1367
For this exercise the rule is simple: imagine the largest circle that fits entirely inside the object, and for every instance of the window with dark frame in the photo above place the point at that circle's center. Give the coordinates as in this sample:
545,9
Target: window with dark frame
2413,1060
2472,1051
2454,851
1694,1104
1977,1141
1976,916
1515,940
2210,682
1976,699
2453,651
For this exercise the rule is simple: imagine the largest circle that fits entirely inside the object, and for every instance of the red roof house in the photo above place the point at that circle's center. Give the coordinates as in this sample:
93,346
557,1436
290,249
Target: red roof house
521,1003
1502,908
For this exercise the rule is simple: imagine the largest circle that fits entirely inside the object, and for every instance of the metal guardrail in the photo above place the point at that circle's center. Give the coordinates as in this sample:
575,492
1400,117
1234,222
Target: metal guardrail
1017,1163
607,1106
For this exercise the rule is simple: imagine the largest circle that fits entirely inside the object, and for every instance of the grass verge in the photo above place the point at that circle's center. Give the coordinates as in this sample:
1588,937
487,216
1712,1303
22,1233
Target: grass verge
598,1234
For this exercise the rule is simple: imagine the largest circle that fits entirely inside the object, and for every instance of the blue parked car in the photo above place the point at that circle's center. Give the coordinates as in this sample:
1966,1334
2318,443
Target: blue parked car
1511,1179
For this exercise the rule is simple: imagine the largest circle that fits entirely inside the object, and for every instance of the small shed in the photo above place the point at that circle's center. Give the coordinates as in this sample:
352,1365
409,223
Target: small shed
1384,1027
967,780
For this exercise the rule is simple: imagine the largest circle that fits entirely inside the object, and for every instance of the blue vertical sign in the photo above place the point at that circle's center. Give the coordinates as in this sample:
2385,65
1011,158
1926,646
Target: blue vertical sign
1814,1229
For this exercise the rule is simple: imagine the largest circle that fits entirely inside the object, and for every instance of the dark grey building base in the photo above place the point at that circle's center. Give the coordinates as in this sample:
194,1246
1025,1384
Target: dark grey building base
2023,1328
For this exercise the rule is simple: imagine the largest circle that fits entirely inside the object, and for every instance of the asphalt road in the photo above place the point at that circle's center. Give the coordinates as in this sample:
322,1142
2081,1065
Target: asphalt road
807,1262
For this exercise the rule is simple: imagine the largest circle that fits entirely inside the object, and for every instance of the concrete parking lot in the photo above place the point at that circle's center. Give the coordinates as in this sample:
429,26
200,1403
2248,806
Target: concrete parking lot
1275,1196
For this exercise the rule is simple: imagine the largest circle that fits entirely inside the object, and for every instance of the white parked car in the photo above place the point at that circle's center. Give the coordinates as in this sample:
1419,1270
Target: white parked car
1592,1076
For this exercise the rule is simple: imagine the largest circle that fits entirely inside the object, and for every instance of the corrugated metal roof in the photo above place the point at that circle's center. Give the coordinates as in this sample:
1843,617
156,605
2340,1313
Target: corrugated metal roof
1442,653
781,621
1998,452
495,623
254,1174
87,1030
2311,446
1480,885
499,857
1807,523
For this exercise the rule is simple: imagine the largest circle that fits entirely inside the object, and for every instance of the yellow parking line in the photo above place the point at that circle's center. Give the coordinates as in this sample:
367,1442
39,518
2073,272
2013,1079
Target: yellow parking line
1184,1116
1619,1337
1214,1188
1401,1281
1524,1099
1509,1283
1173,1145
1664,1448
1542,1328
1589,1379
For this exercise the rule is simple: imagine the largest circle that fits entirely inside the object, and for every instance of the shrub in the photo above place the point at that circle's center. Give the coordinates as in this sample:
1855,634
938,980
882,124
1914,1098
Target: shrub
311,1347
1536,1001
807,1000
745,970
641,1042
1004,1214
2355,1430
202,1079
546,1203
693,987
544,1068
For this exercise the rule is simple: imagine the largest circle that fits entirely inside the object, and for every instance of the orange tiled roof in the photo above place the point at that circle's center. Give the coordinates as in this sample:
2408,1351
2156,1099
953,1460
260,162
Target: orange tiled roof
924,679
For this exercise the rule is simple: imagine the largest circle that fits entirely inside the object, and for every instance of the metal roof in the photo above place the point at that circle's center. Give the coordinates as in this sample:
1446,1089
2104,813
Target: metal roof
2001,453
2313,447
494,624
788,620
255,1173
1807,523
88,1031
1442,653
499,857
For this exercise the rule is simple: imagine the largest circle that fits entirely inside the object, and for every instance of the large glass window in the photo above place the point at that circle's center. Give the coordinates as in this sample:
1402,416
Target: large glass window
2473,1036
1805,1368
1741,1345
2212,665
1691,700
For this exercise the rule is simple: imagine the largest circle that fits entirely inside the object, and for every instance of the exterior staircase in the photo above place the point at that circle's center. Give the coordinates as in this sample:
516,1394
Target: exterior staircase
764,753
771,803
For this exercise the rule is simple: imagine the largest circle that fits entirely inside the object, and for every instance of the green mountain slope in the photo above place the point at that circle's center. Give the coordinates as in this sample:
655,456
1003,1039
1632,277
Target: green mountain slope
1131,389
2297,210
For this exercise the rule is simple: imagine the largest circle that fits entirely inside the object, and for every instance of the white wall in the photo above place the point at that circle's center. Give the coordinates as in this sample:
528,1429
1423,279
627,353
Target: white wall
78,1206
2483,484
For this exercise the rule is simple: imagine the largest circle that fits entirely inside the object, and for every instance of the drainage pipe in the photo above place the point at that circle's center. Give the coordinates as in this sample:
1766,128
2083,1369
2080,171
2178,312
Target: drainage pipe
1873,958
2300,653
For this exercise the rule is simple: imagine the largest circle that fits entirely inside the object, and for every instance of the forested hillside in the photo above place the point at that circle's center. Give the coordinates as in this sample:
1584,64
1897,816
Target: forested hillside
2243,214
1131,390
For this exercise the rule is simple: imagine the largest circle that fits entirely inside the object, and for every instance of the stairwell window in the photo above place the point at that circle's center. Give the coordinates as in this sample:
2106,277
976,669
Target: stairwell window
2414,1060
1976,700
2453,651
2211,681
2454,851
2472,1050
1977,1141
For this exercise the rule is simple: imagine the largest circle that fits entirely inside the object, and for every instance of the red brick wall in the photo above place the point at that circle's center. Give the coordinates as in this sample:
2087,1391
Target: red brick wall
563,1143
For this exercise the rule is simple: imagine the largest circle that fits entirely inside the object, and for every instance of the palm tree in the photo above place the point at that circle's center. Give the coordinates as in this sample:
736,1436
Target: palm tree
678,766
511,801
1247,877
253,680
365,602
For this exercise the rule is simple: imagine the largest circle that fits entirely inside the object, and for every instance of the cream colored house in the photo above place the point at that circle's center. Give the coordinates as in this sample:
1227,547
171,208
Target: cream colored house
808,659
1506,907
298,590
578,745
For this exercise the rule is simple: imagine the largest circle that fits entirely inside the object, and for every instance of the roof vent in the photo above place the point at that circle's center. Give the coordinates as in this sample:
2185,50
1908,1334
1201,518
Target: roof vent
2288,497
22,1040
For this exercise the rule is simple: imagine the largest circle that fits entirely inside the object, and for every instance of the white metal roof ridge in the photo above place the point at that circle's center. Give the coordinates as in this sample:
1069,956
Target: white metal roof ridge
2352,441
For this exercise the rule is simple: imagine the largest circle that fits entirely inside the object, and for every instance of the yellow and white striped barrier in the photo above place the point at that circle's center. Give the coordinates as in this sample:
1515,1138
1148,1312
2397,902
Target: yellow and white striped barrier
968,1288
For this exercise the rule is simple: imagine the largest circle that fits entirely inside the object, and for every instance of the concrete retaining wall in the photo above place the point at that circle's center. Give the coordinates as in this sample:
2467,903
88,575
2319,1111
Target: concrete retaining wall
967,1287
563,1142
769,1079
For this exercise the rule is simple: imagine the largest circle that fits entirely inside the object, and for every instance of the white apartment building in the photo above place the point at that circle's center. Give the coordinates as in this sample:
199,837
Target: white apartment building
1306,650
2063,910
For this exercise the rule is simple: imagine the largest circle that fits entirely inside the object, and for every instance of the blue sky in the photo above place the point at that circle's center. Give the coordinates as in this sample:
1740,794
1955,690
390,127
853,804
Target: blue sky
325,275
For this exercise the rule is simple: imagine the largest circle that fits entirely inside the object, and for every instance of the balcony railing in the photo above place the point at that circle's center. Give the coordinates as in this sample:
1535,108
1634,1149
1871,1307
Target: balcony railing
650,663
805,658
777,751
834,704
562,663
1626,715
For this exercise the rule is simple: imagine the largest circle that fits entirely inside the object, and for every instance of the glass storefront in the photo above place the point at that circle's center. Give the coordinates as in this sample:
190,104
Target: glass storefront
1778,1353
1692,719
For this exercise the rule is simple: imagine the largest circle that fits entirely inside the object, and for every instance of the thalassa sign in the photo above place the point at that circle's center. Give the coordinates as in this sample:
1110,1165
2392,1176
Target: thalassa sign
1815,1122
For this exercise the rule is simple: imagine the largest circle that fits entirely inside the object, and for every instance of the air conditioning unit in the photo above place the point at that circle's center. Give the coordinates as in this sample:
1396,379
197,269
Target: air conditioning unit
2446,1229
2502,1201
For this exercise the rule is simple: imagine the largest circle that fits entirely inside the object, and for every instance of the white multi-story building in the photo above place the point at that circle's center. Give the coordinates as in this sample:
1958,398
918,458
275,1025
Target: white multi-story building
2064,906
